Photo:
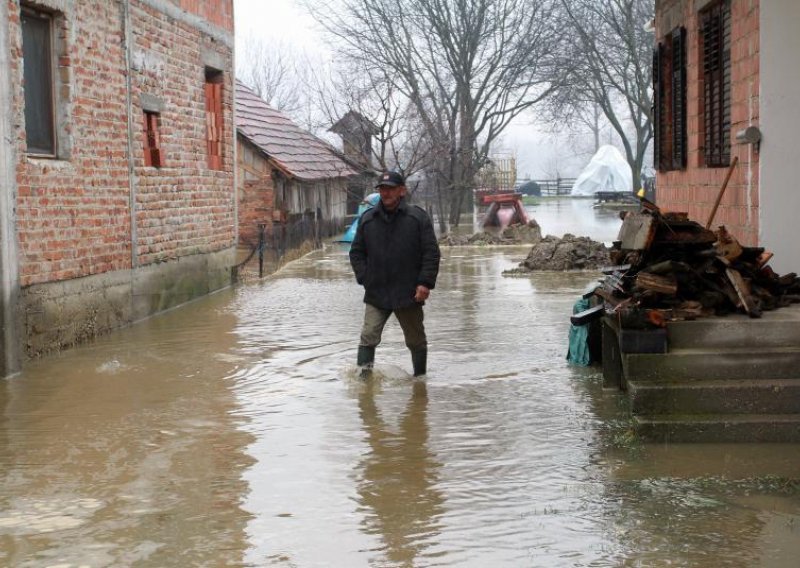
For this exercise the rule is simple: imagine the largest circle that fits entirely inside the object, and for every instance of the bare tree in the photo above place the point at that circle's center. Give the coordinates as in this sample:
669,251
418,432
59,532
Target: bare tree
608,66
278,73
467,68
390,120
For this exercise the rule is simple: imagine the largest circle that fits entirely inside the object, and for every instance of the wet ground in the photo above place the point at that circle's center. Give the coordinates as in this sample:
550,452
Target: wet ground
233,432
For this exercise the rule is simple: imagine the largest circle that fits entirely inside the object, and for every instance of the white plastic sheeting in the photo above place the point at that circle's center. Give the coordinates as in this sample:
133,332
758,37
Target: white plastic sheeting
606,171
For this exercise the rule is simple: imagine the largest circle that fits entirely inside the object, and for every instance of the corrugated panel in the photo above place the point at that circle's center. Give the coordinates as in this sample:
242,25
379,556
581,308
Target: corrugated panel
301,153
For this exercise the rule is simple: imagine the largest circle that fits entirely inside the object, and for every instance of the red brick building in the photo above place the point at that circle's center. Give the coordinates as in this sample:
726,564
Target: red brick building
118,181
726,87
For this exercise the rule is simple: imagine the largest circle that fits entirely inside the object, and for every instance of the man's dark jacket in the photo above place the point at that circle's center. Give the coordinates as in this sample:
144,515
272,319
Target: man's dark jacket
394,252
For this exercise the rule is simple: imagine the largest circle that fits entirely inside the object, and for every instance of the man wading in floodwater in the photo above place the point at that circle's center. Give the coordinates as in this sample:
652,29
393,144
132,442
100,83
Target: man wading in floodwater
395,257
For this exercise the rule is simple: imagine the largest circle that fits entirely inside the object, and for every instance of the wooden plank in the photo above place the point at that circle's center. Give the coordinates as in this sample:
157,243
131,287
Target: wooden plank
613,282
743,292
764,258
607,296
637,232
615,269
661,284
727,246
587,316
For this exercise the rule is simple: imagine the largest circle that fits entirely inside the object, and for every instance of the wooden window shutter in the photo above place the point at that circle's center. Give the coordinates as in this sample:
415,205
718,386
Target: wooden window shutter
657,107
663,106
716,35
152,140
678,110
213,96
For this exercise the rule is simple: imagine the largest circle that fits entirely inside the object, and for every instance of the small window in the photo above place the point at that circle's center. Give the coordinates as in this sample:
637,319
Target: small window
213,95
37,53
715,34
152,140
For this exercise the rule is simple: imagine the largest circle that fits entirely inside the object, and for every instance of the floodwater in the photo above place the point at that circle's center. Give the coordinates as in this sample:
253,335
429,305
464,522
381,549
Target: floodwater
234,432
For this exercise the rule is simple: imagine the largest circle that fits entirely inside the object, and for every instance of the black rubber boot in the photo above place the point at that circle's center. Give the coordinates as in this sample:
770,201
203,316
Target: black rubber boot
365,360
420,362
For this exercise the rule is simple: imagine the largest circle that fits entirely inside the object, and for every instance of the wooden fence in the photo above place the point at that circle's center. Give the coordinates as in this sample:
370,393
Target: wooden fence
558,186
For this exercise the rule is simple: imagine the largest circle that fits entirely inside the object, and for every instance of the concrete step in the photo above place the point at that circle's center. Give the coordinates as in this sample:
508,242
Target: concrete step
721,428
714,364
778,328
735,396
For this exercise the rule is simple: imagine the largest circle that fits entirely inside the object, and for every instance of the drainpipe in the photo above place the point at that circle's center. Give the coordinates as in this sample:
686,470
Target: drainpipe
234,138
128,46
10,334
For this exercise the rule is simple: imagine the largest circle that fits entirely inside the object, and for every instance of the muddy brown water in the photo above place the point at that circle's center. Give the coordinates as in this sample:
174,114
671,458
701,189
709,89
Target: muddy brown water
233,432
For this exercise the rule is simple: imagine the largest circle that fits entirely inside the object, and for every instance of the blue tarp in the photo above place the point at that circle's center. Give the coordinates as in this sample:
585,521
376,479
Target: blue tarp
369,202
578,353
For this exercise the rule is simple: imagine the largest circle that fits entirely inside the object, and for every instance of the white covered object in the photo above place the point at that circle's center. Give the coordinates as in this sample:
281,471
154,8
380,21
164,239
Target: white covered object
606,171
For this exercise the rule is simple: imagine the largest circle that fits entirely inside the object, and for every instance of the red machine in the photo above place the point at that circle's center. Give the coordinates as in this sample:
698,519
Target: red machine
504,209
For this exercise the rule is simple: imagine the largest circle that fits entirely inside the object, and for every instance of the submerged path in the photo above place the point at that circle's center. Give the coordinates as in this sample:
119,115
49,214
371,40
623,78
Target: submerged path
233,432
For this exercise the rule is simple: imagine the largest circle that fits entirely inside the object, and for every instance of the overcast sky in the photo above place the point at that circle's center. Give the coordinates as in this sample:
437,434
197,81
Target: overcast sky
538,155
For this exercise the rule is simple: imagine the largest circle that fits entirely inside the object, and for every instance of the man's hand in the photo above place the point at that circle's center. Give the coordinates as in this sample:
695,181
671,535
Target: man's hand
422,293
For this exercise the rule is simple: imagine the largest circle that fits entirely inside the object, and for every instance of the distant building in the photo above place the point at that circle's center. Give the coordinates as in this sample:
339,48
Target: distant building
285,172
117,164
357,133
726,87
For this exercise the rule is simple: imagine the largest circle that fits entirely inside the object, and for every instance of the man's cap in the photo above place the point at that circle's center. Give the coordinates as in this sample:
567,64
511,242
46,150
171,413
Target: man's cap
390,179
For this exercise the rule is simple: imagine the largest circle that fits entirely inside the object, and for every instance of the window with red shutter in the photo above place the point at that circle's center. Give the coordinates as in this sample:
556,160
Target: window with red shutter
213,97
715,34
152,140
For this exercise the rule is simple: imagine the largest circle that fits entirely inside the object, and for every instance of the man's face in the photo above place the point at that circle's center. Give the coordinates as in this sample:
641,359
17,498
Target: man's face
391,195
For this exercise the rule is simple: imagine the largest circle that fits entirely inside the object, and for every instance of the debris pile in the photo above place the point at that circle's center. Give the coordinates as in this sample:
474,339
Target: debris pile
566,253
518,234
668,267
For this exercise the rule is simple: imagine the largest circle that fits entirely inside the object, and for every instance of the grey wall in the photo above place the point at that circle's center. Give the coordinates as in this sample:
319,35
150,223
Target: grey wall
62,314
779,199
9,275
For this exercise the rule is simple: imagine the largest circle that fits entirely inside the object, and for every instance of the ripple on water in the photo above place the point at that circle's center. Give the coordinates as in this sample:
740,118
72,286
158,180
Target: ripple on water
29,516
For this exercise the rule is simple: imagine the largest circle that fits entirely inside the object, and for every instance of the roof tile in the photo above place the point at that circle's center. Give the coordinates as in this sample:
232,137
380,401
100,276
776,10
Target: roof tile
303,154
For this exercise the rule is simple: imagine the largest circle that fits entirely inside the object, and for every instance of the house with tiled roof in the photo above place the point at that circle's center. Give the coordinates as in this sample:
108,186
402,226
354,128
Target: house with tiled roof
285,173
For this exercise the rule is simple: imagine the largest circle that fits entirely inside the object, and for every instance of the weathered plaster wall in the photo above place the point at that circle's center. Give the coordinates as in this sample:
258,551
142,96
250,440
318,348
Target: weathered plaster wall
780,124
9,269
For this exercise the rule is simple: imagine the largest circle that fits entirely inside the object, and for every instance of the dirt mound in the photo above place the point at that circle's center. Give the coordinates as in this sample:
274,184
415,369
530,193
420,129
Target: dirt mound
566,253
530,233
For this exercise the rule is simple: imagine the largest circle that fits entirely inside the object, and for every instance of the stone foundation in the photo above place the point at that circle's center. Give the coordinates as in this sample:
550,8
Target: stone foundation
62,314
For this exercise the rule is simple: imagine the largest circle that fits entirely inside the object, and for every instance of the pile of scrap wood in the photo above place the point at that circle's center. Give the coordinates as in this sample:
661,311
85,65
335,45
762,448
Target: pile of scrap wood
668,267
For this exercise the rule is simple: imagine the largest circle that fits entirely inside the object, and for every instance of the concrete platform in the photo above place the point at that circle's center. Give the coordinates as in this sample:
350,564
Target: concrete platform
720,428
723,379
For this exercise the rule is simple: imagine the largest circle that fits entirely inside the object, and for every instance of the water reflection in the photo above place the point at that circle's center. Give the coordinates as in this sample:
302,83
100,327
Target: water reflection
576,216
125,452
397,479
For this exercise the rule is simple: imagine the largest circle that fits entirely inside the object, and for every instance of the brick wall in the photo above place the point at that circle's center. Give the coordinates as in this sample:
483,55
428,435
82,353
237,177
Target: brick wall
87,262
695,189
217,12
73,216
73,213
256,193
183,207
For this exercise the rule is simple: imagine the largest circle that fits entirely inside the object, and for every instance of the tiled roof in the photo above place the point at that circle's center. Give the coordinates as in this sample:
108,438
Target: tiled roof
298,152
